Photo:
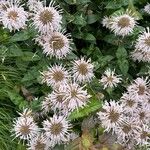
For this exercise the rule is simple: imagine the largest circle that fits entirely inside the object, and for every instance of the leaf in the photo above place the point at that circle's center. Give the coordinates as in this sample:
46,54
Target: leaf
92,106
79,20
30,56
121,52
89,37
124,66
92,18
20,36
132,8
14,51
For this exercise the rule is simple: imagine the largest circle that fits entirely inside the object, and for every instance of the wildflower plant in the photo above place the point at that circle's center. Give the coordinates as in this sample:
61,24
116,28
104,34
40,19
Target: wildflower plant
77,74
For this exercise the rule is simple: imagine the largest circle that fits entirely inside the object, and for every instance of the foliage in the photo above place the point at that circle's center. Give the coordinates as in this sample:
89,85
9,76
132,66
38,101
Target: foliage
22,61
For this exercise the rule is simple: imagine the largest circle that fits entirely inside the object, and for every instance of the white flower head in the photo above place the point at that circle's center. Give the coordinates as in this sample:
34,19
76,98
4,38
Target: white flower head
57,45
106,22
41,39
143,41
25,128
40,142
75,96
82,70
46,105
57,129
56,98
47,19
111,115
26,113
127,130
34,4
140,55
129,103
142,115
147,8
140,89
55,76
142,137
14,17
122,24
110,79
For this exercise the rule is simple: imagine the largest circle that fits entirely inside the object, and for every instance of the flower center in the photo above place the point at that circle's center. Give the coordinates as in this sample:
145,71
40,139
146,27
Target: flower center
141,90
142,115
82,68
56,42
39,146
58,76
56,128
126,128
130,103
110,79
13,15
147,41
25,130
46,17
144,135
60,98
74,93
124,22
113,116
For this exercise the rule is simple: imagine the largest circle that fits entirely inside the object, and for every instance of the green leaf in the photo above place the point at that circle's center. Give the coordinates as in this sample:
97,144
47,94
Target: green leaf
89,37
20,36
30,56
124,66
14,50
79,20
121,52
92,18
92,106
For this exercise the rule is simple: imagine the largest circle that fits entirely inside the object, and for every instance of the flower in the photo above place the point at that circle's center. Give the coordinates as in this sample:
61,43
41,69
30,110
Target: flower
111,115
129,103
142,137
46,105
106,22
57,129
140,55
110,79
55,76
25,128
34,4
75,96
57,45
14,17
126,131
147,8
82,70
56,99
143,41
122,24
39,142
142,115
140,89
47,19
142,47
